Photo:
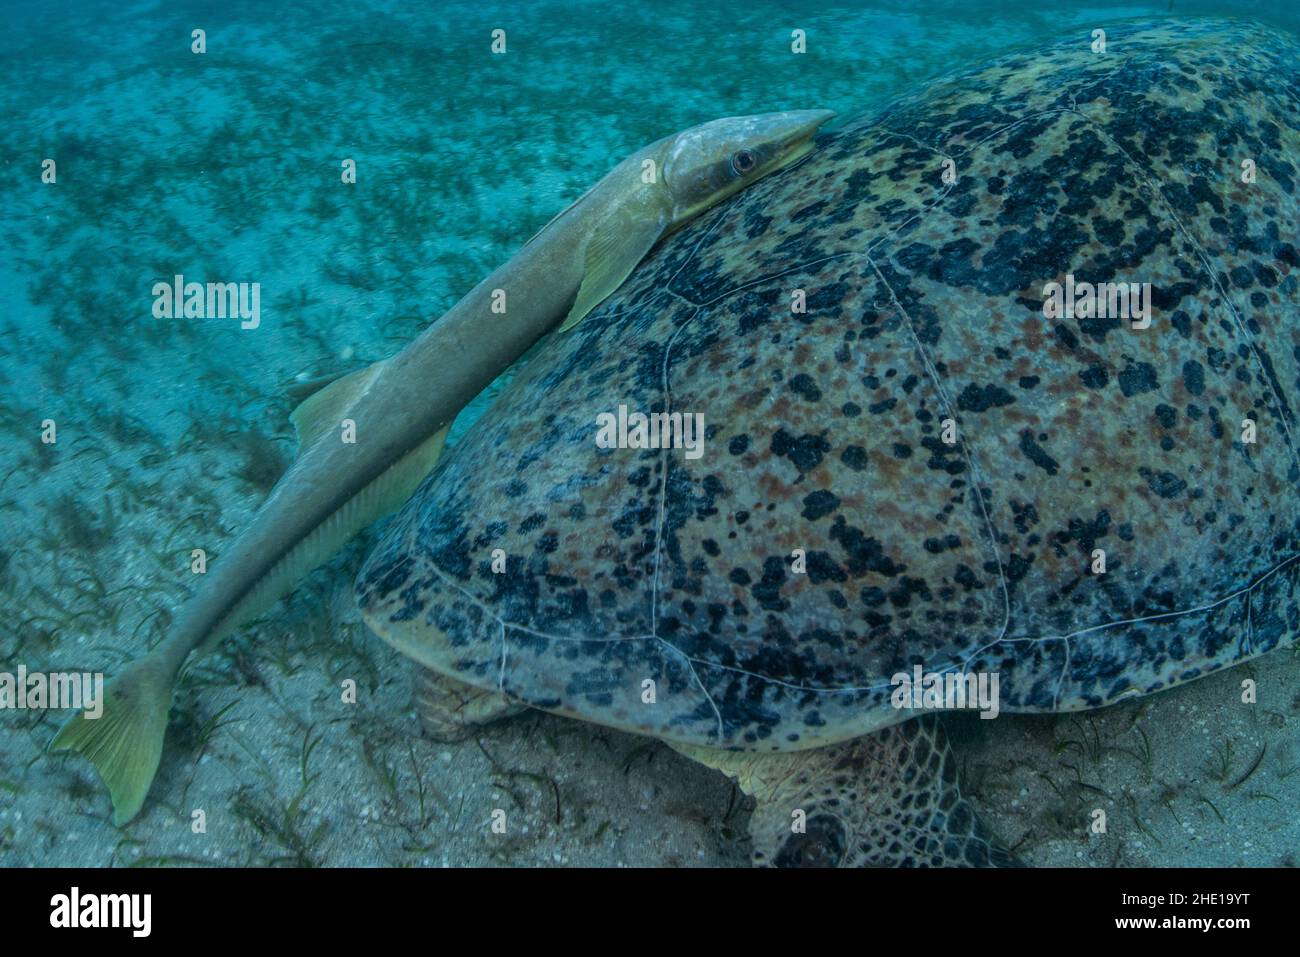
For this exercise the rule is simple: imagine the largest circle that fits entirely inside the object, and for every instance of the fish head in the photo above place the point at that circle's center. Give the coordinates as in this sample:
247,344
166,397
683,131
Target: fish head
707,163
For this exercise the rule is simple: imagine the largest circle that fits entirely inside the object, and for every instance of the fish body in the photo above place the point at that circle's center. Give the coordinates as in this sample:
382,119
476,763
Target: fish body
368,439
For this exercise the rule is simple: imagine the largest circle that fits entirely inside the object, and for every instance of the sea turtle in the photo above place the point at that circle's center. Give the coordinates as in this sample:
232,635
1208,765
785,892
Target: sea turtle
910,457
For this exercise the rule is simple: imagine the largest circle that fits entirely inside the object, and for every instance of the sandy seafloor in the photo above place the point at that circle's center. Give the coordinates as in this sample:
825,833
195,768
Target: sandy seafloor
226,166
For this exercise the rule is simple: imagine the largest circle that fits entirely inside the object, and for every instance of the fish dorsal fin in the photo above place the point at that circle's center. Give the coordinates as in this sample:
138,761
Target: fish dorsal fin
323,410
617,244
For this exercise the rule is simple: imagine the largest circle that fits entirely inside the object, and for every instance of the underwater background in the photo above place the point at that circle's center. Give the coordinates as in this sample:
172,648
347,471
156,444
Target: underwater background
171,432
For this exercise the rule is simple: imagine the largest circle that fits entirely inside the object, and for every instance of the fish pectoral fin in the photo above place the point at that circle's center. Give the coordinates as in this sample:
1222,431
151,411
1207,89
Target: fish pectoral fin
323,409
613,251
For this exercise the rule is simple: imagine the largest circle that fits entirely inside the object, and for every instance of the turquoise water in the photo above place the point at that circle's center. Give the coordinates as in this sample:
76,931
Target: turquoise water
226,165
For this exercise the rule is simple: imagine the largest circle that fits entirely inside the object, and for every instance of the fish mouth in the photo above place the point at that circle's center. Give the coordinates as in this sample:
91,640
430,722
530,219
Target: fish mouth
798,152
797,142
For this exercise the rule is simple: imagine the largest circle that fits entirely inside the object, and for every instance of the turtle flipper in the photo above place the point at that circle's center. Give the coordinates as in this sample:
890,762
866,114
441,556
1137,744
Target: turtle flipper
889,799
451,710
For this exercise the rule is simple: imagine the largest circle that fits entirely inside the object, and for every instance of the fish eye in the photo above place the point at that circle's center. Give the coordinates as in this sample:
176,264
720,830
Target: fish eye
743,161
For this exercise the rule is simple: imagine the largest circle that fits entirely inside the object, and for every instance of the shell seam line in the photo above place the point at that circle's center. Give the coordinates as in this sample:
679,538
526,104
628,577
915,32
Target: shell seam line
1153,184
810,689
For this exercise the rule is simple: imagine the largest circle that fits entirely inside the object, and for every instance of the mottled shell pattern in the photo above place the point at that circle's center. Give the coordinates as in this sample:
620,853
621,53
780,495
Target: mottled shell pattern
825,429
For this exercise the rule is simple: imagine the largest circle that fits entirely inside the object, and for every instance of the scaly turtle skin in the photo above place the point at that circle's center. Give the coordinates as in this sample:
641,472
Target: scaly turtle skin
924,303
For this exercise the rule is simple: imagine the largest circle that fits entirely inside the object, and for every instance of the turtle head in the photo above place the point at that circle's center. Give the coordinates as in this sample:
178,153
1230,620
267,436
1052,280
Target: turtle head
706,164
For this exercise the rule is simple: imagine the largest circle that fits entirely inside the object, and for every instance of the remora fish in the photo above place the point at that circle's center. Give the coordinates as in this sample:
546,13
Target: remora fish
402,407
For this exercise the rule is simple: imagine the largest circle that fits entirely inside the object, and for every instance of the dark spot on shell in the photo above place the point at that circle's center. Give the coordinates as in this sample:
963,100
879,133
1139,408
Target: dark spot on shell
855,457
819,504
1095,377
1136,378
1164,484
805,452
803,385
976,398
1036,454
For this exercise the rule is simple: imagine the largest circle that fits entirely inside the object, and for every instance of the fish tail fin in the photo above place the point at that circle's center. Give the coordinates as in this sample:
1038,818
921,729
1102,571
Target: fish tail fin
125,742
